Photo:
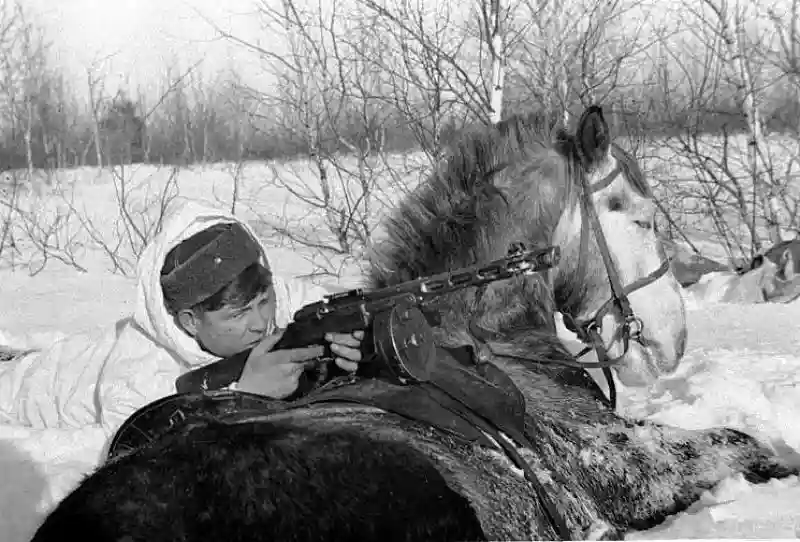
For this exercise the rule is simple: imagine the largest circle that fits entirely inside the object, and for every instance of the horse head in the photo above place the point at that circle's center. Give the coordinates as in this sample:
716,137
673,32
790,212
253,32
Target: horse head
523,182
625,281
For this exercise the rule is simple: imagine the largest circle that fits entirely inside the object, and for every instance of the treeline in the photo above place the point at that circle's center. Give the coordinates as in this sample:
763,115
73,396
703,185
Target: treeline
183,133
343,93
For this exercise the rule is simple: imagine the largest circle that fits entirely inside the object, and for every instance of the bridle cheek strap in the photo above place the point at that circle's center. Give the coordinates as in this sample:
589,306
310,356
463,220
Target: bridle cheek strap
589,331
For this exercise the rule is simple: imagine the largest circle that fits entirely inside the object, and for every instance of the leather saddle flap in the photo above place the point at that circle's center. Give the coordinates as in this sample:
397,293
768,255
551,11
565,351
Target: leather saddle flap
412,402
450,401
483,388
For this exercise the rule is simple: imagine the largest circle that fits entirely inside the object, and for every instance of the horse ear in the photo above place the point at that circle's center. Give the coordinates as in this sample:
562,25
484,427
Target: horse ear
758,261
593,136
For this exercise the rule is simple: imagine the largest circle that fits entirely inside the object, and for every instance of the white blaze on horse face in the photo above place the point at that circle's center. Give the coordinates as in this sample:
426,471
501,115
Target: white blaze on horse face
626,218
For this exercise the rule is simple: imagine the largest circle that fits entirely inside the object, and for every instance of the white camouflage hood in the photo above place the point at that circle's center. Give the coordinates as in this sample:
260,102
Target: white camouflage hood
183,219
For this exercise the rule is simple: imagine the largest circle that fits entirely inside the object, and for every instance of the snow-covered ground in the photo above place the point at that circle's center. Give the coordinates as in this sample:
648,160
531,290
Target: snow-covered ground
742,369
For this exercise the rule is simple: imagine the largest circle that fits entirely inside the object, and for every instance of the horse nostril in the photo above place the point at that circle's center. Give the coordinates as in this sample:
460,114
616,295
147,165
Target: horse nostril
644,224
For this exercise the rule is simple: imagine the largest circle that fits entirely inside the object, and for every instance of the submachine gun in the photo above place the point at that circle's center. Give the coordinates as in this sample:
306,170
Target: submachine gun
397,324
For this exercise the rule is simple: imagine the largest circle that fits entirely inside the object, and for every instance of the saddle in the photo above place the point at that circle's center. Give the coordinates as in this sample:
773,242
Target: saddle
459,397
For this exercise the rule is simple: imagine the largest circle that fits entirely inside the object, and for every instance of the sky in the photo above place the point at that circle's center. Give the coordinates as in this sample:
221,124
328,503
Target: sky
132,42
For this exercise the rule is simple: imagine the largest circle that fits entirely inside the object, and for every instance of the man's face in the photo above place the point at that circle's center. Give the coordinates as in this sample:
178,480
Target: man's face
228,331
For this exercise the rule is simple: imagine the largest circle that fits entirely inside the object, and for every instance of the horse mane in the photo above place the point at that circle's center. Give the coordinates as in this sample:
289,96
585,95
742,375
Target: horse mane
499,184
447,221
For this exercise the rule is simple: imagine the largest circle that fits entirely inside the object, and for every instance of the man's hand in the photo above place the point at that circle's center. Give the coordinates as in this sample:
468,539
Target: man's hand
347,349
276,374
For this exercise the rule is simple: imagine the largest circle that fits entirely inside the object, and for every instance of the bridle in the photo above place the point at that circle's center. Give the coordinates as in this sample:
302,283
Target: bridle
589,330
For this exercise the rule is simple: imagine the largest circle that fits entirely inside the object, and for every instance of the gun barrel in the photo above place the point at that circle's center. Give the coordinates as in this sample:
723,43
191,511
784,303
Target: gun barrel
518,262
524,262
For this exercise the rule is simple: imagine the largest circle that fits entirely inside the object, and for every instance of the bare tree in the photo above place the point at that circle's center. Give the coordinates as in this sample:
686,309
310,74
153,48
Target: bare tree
25,87
717,173
327,103
140,212
493,15
10,26
727,26
439,61
48,231
96,88
33,51
9,197
350,74
784,56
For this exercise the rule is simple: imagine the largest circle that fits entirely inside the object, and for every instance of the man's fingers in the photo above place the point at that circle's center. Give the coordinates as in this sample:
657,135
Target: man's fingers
349,366
346,339
299,355
269,341
346,352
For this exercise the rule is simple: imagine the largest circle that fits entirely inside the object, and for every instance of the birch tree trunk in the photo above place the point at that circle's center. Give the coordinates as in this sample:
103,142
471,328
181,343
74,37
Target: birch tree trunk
205,139
497,50
95,120
564,86
756,145
732,34
29,137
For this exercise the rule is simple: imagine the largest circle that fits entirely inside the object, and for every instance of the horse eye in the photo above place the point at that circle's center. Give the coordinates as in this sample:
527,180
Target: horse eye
615,203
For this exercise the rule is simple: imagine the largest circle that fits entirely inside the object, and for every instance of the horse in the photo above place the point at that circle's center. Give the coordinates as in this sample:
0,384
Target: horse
786,257
335,469
785,250
770,278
